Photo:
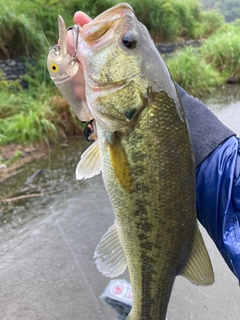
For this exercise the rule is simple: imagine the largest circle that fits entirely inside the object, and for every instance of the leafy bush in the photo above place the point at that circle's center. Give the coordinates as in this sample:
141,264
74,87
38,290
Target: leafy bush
18,36
187,21
21,22
229,8
159,16
212,21
167,20
91,7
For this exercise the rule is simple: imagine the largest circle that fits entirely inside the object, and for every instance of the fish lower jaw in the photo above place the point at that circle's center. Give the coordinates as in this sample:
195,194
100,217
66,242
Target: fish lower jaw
105,88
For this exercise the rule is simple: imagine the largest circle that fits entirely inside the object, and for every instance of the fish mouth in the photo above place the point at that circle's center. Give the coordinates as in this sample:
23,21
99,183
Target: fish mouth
104,22
95,85
117,11
114,86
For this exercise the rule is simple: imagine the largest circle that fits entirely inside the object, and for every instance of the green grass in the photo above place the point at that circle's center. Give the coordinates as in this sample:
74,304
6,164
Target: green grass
9,86
222,50
192,72
38,114
25,119
217,59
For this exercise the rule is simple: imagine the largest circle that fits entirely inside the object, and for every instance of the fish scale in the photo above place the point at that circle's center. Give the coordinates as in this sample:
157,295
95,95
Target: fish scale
150,205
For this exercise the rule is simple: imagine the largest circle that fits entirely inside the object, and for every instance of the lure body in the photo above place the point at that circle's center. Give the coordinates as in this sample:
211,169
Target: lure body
65,72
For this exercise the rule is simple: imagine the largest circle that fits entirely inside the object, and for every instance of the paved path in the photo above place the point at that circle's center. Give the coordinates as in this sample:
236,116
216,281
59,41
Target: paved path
46,249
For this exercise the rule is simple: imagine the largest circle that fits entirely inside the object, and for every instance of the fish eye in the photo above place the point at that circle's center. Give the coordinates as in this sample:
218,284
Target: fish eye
129,40
54,67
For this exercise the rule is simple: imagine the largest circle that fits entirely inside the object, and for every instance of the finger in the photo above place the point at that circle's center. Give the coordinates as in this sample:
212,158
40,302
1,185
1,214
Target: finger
79,90
81,18
70,43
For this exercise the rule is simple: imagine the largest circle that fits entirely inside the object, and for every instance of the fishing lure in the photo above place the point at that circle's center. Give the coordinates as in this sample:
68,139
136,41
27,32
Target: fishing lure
65,72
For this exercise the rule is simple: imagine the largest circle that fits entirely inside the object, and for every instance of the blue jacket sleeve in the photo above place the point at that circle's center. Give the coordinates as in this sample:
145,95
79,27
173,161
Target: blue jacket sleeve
218,200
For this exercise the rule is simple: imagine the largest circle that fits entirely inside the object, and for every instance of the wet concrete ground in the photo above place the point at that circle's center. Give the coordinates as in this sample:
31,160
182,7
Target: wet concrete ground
47,244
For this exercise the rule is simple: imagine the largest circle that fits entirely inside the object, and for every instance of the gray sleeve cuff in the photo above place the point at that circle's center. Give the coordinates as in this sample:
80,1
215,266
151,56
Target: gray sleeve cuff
206,131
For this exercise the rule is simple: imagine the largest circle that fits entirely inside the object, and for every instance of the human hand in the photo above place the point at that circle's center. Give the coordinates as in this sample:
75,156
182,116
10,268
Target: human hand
80,18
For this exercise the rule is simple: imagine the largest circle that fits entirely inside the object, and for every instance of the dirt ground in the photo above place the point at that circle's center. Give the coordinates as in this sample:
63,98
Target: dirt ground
13,156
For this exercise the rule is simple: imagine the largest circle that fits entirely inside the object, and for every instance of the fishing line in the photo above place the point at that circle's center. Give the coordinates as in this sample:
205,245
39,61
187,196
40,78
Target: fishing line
44,67
81,271
45,101
46,39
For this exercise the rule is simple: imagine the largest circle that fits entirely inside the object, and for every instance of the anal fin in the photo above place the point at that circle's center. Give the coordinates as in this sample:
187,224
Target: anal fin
110,257
198,269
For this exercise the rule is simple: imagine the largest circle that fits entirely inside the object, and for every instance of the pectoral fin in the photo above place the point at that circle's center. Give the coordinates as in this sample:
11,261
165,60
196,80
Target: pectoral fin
120,164
109,254
199,268
90,163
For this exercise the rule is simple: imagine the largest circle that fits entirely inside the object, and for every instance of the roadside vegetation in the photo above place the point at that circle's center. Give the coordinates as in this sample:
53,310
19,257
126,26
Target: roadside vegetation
40,114
222,50
216,61
34,115
230,9
193,73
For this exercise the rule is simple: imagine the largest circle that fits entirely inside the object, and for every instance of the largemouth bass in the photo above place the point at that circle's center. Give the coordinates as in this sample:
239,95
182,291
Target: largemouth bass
146,160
